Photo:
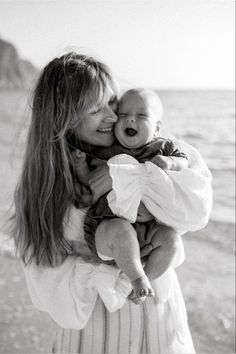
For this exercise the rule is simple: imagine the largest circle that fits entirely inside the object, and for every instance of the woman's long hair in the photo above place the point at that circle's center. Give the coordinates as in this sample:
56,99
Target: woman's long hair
67,86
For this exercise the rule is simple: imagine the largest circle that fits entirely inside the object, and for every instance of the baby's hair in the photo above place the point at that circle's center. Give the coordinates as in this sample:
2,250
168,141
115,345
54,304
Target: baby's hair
149,93
66,87
156,103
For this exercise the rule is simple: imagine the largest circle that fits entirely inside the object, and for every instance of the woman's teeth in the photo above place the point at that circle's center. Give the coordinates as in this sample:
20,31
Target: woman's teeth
105,130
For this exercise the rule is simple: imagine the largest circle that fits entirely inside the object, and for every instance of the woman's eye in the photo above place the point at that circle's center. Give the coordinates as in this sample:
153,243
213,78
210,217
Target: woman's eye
113,105
95,111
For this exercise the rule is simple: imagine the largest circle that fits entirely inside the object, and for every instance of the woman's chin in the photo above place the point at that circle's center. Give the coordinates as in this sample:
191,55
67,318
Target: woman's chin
105,141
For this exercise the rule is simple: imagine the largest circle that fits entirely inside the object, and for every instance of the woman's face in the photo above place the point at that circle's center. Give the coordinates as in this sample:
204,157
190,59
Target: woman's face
97,124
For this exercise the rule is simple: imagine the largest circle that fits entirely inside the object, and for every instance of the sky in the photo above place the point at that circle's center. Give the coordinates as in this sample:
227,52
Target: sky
155,43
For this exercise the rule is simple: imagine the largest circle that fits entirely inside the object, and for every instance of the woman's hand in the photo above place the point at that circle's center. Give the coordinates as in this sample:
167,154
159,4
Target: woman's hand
100,181
143,214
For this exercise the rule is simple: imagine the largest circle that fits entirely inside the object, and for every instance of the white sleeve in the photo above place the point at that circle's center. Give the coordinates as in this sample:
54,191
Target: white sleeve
180,199
68,292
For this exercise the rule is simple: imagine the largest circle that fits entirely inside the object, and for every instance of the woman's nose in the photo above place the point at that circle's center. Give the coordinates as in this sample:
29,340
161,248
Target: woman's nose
109,115
130,119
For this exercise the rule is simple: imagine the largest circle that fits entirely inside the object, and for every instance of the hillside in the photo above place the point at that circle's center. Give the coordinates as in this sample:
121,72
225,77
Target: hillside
15,73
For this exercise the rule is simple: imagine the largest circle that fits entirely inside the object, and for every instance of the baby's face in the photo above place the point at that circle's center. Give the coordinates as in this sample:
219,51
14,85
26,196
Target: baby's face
138,116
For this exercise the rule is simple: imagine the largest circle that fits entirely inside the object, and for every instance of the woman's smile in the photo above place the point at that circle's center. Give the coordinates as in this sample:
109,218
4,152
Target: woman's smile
97,125
105,130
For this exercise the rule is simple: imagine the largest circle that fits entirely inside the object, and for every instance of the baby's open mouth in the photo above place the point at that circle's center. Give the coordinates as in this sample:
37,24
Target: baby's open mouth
130,131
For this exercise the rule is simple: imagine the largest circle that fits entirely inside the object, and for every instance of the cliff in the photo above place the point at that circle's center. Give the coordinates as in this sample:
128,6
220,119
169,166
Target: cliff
15,72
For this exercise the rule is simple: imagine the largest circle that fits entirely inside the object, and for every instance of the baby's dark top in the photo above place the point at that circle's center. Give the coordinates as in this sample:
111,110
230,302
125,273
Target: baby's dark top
101,210
159,146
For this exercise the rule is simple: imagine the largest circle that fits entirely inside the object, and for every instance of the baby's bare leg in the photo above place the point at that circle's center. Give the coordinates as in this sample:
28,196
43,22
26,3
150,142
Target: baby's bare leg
117,238
165,244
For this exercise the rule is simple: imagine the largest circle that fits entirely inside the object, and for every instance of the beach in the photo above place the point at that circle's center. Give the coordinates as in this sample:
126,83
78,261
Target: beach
208,288
207,276
207,280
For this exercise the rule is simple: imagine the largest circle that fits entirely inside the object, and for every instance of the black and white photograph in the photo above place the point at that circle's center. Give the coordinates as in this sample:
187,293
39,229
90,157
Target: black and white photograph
131,250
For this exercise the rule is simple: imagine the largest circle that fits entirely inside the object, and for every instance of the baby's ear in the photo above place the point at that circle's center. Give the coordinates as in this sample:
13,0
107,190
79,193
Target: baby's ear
158,126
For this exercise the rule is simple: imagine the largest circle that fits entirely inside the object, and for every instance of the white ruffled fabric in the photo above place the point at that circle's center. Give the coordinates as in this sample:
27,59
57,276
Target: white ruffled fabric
68,293
180,199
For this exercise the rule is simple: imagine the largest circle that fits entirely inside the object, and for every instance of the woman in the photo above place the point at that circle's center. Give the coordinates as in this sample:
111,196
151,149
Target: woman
75,102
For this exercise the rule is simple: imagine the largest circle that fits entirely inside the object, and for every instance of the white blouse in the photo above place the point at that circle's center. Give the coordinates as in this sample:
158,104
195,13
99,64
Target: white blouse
180,199
183,200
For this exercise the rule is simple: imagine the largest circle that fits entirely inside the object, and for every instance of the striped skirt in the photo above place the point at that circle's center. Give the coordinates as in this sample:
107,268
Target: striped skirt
147,328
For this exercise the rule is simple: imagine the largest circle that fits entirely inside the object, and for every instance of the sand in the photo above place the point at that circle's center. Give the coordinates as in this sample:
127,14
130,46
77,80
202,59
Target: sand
208,282
206,277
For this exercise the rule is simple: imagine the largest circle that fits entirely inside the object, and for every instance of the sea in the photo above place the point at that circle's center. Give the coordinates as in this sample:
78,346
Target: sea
206,120
203,118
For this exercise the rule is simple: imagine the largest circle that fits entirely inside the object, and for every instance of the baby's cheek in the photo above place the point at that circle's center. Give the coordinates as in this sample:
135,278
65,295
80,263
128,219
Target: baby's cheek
146,133
119,131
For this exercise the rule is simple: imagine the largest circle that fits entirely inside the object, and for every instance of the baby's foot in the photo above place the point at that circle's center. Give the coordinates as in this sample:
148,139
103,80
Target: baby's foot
141,289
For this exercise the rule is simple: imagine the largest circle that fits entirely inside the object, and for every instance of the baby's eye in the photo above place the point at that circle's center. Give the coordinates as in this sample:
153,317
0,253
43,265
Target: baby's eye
122,115
142,116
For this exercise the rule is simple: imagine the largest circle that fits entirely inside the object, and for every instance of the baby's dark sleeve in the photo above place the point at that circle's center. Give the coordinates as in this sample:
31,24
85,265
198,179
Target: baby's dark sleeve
171,149
83,196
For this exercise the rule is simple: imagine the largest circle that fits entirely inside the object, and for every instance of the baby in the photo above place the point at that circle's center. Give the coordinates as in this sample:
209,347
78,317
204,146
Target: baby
137,133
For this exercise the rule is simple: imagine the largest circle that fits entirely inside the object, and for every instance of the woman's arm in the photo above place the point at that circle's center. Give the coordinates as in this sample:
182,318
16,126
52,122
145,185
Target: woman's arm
180,199
68,292
53,290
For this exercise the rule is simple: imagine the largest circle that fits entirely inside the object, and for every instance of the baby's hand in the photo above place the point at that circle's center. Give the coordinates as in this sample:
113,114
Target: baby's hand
143,214
173,163
78,157
81,166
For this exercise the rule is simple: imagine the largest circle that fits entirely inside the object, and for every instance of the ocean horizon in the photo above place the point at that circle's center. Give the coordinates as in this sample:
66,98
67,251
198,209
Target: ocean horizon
202,118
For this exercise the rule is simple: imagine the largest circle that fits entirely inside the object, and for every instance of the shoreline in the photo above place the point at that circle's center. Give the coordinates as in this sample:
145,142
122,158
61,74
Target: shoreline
206,278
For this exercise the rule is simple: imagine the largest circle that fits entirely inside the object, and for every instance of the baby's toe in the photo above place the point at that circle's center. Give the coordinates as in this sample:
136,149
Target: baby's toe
151,292
143,292
136,299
